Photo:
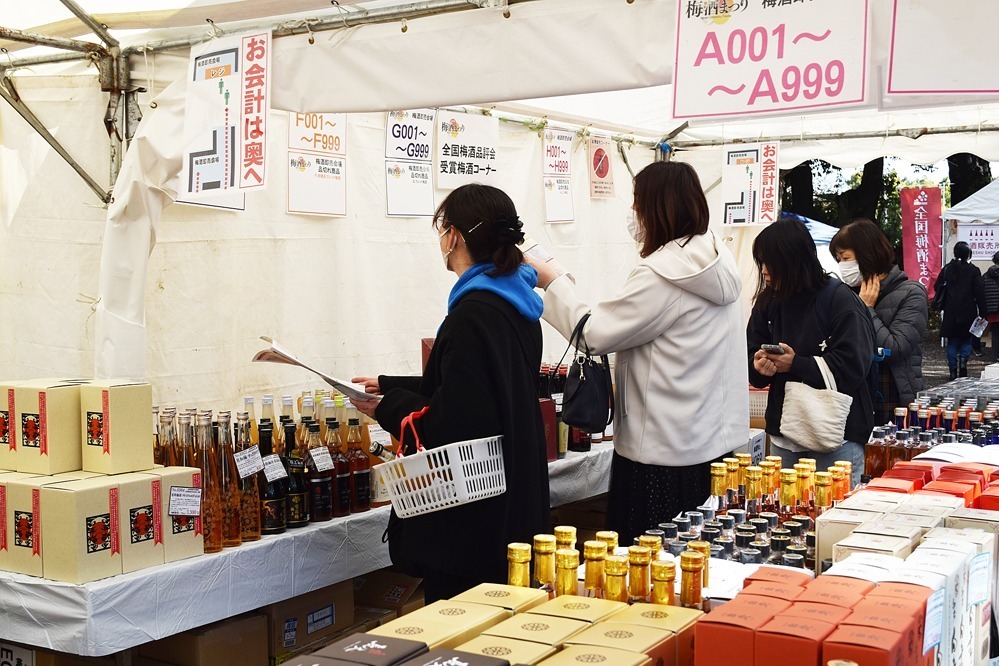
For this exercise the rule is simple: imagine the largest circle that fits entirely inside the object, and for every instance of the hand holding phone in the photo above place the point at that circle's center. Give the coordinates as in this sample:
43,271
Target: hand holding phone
772,349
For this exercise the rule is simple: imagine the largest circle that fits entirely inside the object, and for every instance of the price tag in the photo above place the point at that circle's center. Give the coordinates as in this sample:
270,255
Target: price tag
321,458
273,469
248,461
380,435
933,630
979,585
185,501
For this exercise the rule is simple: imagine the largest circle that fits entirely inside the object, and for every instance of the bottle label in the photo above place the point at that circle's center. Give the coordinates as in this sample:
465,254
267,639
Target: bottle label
298,508
343,493
362,487
248,461
321,491
273,469
321,459
184,501
296,465
272,514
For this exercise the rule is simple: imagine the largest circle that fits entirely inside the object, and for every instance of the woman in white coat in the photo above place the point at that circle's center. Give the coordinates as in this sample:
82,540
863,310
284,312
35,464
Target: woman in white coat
678,330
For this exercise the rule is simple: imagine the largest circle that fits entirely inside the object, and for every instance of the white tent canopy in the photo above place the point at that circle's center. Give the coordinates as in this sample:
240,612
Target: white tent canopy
982,206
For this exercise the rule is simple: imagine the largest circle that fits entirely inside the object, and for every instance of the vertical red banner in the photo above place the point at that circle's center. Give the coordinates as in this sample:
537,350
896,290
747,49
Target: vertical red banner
922,234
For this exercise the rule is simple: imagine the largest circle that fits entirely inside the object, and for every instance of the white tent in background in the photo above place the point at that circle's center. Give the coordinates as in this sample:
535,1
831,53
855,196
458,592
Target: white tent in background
982,206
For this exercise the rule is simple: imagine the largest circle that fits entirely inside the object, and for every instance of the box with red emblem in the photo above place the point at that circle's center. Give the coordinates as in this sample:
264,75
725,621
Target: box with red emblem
25,518
116,426
81,529
47,427
140,520
8,442
182,536
6,521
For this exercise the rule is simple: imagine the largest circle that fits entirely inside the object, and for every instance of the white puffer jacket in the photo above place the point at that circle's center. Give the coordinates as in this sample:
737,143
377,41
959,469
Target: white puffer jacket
678,330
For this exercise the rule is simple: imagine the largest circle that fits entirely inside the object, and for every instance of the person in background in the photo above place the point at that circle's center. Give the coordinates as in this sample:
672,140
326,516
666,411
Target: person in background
480,380
961,295
990,284
675,325
898,306
808,313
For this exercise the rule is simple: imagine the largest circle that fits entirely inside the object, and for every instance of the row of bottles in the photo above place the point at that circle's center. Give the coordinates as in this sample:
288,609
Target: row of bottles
632,575
312,471
551,386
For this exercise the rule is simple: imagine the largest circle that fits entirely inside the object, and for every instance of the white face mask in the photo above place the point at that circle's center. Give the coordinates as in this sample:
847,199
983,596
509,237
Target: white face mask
849,271
634,228
447,254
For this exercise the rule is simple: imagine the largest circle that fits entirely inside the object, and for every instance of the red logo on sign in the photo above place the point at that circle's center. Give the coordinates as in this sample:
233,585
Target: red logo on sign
106,407
10,415
44,423
3,518
196,480
36,526
115,537
157,512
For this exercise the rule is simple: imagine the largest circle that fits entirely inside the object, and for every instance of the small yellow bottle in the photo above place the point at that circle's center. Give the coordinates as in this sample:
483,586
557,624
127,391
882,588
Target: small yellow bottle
653,543
823,492
566,572
691,566
544,563
704,548
518,556
639,579
616,569
609,537
565,537
594,554
663,582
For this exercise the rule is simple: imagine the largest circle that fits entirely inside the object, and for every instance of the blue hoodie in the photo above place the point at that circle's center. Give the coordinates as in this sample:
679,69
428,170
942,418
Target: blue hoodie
517,288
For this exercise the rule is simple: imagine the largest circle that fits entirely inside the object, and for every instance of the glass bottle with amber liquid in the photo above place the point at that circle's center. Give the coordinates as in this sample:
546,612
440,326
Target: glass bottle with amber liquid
160,456
341,469
663,582
691,567
544,563
639,579
732,482
788,495
230,486
518,557
320,480
616,570
273,494
249,511
360,469
745,460
565,536
594,554
566,572
609,538
167,436
183,454
823,492
754,495
211,495
719,478
298,488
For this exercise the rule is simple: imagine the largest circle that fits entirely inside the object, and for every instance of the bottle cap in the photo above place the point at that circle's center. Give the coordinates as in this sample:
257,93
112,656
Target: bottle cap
653,543
901,411
712,525
567,558
670,530
788,475
754,473
677,547
719,469
738,514
518,552
639,555
727,544
793,560
682,523
544,543
564,534
594,550
810,539
823,478
762,525
763,547
687,537
707,512
691,561
800,550
353,422
655,533
811,462
772,518
727,522
776,460
710,533
702,547
663,571
750,556
779,543
865,478
780,531
616,565
794,526
743,540
717,551
696,518
609,539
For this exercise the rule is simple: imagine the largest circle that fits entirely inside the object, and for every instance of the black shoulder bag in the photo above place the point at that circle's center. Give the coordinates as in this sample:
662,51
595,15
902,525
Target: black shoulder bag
588,399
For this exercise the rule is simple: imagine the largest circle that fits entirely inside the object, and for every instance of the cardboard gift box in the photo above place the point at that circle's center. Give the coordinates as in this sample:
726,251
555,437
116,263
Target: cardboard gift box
659,646
182,536
865,645
25,517
239,640
388,589
473,617
953,562
763,588
835,525
373,650
433,634
727,635
895,499
677,620
924,499
445,657
8,433
510,597
579,608
812,611
900,615
836,590
791,641
81,530
799,577
896,546
7,524
303,620
47,427
547,630
514,651
140,518
592,654
115,428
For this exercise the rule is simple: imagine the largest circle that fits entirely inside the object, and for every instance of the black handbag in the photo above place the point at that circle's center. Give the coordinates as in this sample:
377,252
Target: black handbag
588,398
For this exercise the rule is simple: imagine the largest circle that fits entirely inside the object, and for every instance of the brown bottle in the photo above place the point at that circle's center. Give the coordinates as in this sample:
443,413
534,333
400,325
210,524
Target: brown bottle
211,496
297,504
229,486
360,469
249,511
320,481
341,469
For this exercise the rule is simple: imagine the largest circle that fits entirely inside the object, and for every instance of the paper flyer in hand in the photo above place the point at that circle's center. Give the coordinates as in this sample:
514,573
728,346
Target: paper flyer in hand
278,354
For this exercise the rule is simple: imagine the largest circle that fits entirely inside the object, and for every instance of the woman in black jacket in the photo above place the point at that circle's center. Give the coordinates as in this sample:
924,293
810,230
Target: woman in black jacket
961,296
897,305
809,314
480,380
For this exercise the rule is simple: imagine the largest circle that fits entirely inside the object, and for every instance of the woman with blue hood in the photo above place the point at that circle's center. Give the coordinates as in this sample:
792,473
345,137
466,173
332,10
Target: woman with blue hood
480,380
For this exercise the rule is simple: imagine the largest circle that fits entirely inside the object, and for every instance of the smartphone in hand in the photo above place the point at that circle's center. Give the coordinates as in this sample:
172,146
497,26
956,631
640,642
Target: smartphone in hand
772,349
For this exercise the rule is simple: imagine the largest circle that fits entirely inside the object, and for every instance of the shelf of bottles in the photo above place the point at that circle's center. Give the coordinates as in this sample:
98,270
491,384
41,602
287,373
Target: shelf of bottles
551,386
757,514
304,461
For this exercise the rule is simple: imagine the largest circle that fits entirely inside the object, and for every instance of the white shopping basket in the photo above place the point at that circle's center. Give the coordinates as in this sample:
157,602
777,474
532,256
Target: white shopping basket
445,476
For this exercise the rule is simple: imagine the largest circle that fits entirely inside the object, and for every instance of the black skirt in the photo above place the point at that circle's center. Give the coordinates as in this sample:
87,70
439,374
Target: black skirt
642,496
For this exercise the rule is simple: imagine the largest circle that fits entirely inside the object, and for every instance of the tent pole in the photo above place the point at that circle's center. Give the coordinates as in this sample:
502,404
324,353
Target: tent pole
98,29
797,138
10,95
48,40
16,63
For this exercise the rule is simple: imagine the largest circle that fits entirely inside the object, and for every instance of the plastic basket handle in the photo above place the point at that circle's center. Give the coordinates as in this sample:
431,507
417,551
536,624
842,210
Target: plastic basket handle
410,421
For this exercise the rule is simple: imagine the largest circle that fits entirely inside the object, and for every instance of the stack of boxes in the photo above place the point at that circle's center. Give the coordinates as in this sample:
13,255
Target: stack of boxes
80,498
499,625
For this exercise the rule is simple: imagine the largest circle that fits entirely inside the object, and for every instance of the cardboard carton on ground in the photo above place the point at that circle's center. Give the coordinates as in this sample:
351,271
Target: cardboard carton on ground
301,620
48,427
115,426
239,640
386,589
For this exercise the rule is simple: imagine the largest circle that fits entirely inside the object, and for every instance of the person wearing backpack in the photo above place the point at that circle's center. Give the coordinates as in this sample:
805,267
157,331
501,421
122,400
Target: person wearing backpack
961,295
990,283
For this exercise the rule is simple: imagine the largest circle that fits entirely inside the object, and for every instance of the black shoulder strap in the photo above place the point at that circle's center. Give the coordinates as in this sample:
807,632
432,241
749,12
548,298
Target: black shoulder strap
823,304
